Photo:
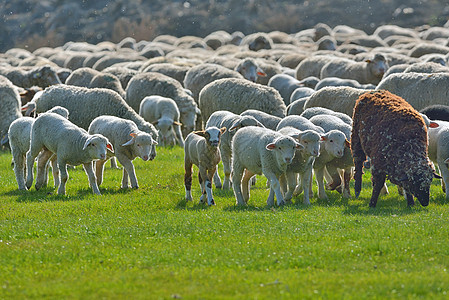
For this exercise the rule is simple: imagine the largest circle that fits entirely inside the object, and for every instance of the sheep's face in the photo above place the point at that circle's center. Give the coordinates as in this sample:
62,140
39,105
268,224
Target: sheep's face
378,66
96,146
334,143
250,70
212,135
284,148
311,142
166,130
244,121
417,181
45,76
188,120
142,145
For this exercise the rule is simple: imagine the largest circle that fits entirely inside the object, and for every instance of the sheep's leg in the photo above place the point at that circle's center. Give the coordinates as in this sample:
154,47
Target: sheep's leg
217,180
125,179
347,175
31,156
99,169
208,184
227,171
409,198
88,168
19,169
283,183
319,174
114,163
245,184
384,190
129,168
378,183
445,174
306,179
237,182
291,182
54,170
178,135
63,177
202,177
333,177
41,174
188,180
276,188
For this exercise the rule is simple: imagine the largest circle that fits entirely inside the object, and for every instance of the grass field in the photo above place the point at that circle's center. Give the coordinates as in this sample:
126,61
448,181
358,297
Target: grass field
150,244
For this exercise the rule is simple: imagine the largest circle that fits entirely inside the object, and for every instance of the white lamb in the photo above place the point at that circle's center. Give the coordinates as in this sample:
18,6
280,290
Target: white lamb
260,151
71,144
439,151
128,141
201,149
164,114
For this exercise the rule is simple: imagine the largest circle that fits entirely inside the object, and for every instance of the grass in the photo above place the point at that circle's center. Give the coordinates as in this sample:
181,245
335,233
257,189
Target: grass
150,244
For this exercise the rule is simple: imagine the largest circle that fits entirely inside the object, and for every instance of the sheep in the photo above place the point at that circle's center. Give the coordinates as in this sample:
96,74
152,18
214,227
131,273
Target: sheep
338,98
233,122
438,150
151,83
19,134
410,86
336,81
9,107
421,49
426,67
301,92
42,76
297,107
201,149
302,163
250,69
175,71
260,151
86,104
238,95
385,31
314,111
436,112
257,41
164,114
370,71
267,120
71,145
393,134
311,66
285,84
128,142
326,43
270,68
201,75
122,73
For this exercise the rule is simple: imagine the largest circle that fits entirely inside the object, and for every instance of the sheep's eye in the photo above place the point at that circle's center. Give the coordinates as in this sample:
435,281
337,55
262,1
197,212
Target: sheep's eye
93,144
138,145
304,142
331,141
279,148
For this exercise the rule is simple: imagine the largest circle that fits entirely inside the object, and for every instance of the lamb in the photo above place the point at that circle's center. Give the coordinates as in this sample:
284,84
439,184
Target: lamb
233,122
267,120
286,85
250,69
302,163
370,71
42,76
393,134
260,151
201,149
436,112
314,111
19,138
71,145
9,107
409,86
151,83
127,140
164,114
228,93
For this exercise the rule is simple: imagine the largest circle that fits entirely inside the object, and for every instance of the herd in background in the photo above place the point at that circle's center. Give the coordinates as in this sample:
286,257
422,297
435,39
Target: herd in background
321,101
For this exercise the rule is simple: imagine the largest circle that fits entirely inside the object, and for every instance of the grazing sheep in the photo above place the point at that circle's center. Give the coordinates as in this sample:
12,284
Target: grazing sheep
410,86
128,142
336,81
393,135
370,71
238,95
201,149
250,70
436,112
41,76
314,111
164,114
71,145
9,107
151,83
267,120
260,151
286,85
233,122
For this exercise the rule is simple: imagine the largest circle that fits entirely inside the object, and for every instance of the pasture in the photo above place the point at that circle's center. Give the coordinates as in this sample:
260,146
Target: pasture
150,244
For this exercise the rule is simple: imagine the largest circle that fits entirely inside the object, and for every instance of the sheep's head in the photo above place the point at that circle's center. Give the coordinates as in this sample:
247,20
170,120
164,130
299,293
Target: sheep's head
244,121
250,70
378,65
142,144
188,119
96,146
334,143
45,76
284,148
166,128
212,135
311,141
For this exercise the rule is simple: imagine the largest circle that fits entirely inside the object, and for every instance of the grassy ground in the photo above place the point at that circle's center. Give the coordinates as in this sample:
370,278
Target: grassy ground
150,244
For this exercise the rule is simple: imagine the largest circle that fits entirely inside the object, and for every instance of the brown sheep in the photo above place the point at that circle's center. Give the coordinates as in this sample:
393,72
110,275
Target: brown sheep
393,134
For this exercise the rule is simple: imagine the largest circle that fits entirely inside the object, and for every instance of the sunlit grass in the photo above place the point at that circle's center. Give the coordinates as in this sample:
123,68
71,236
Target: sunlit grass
149,243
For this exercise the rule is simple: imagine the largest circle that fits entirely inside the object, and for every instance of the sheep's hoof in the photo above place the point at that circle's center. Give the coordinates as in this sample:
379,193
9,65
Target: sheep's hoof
202,199
212,202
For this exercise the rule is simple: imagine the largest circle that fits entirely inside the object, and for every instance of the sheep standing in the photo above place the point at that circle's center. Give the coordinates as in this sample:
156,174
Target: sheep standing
285,84
128,141
201,149
71,144
9,107
164,113
393,134
42,76
267,120
260,151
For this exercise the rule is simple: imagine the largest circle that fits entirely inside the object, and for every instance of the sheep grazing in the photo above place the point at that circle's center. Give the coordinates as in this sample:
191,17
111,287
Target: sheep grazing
71,145
164,114
260,151
393,134
250,70
42,76
229,93
233,122
436,112
128,141
201,149
9,107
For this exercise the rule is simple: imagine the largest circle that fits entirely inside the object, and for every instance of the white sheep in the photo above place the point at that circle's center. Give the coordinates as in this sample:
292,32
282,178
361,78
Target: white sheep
301,92
438,151
314,111
260,151
297,107
164,114
71,145
250,69
201,149
311,66
9,108
286,85
233,122
128,141
238,95
336,81
299,123
267,120
42,76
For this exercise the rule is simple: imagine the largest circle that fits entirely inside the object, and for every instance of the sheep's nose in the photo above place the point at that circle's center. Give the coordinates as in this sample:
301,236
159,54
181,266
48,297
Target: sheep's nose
214,143
288,160
340,153
145,157
102,156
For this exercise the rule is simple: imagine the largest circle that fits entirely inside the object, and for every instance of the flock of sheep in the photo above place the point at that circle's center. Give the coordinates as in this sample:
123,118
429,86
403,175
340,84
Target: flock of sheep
324,101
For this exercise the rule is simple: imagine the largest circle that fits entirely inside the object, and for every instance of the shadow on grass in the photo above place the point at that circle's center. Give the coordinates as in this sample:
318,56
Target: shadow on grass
183,204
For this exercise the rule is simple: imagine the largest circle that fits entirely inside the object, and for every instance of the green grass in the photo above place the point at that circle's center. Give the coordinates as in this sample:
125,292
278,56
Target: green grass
150,244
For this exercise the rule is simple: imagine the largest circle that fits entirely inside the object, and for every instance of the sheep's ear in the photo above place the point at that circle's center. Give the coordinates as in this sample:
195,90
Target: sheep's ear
37,75
324,137
200,133
261,73
299,146
433,125
155,122
177,123
368,61
235,126
87,143
131,141
435,175
110,147
270,146
347,144
222,130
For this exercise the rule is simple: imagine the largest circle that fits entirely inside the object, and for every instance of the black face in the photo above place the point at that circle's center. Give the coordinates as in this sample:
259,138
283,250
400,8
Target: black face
419,186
